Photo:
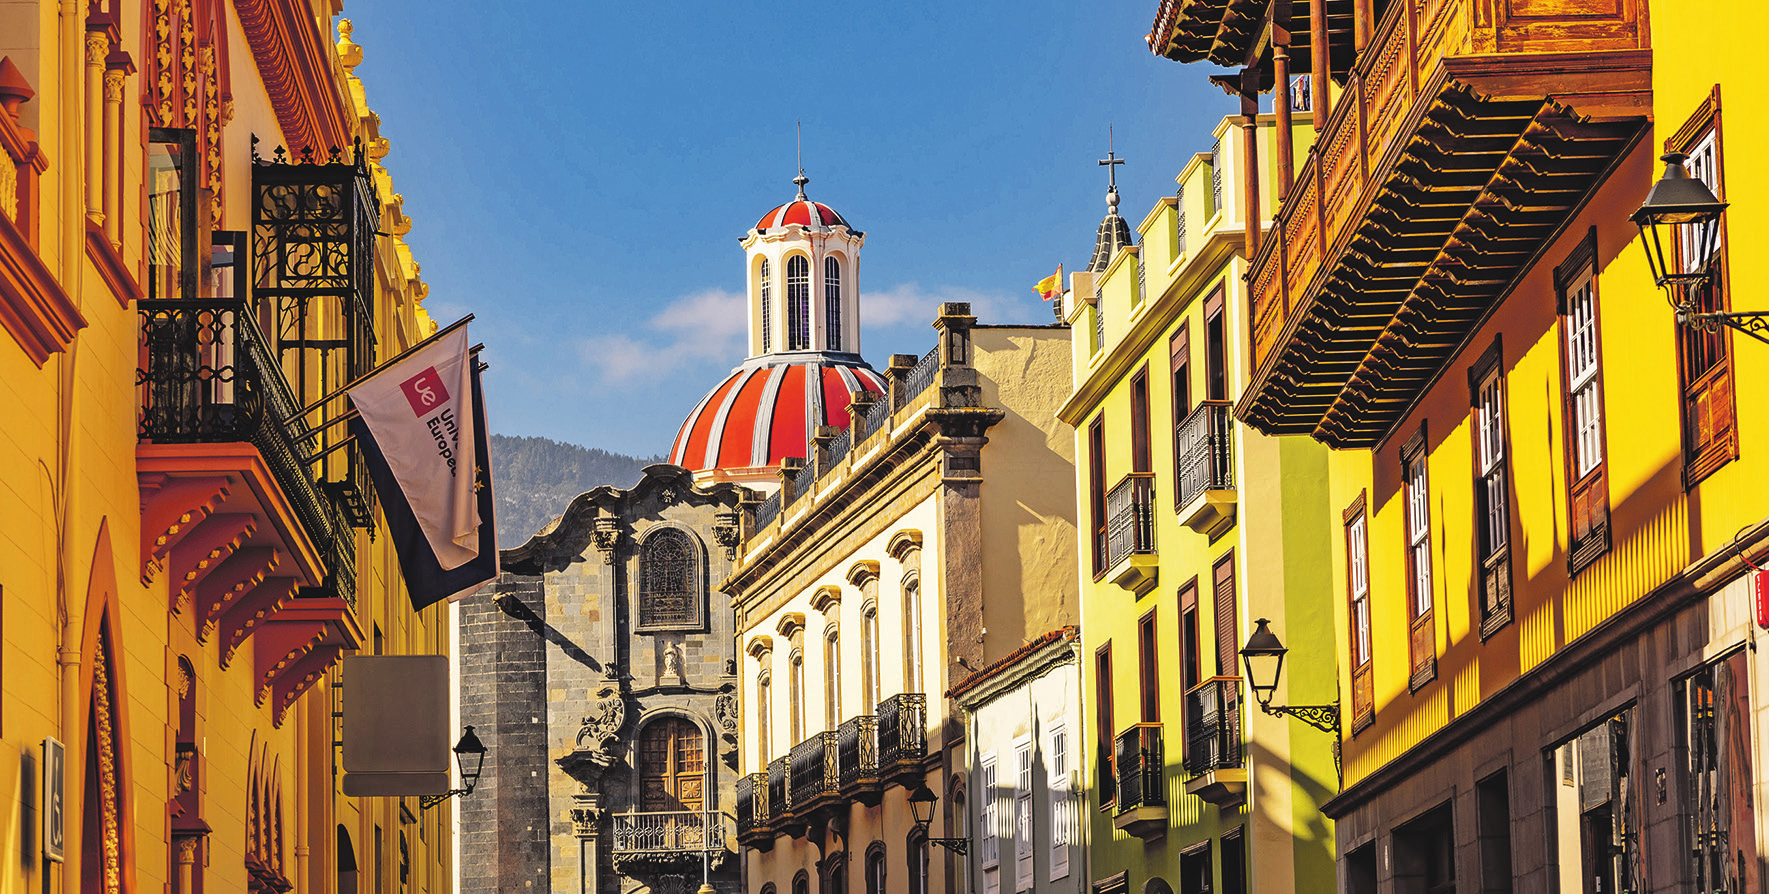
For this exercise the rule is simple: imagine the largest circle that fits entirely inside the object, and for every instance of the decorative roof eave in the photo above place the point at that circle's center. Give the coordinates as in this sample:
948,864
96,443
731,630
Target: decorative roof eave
1049,650
566,537
296,63
843,232
1227,32
1348,385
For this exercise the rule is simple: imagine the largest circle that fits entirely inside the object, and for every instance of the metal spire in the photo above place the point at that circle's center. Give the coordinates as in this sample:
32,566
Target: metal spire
801,179
1111,161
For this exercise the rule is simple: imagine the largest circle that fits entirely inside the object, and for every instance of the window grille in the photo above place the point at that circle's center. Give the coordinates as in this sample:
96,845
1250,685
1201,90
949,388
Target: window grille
767,308
798,303
1179,222
670,593
832,301
1216,177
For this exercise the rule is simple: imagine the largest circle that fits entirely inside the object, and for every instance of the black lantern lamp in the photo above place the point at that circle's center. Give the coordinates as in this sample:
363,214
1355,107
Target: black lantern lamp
921,808
1681,212
1264,658
468,749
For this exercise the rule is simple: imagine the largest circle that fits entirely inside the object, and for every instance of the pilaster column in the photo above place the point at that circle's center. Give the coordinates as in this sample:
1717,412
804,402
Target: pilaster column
113,159
98,46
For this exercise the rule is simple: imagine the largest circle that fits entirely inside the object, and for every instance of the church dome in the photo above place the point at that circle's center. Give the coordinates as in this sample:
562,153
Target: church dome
767,409
803,212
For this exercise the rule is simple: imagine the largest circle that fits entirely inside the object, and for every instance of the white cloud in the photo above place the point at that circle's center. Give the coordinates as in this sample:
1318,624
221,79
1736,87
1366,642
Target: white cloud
699,329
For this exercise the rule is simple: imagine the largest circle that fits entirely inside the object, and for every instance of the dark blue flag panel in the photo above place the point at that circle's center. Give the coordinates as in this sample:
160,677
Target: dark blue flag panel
425,578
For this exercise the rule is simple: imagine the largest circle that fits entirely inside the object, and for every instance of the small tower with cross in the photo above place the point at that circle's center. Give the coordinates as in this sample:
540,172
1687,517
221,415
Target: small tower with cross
1114,231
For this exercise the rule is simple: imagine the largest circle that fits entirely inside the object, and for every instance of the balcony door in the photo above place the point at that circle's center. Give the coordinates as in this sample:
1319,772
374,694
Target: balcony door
672,766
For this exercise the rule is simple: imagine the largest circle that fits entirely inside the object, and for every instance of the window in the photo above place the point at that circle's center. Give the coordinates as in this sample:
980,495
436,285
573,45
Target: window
1142,284
1492,809
1149,674
1713,734
798,303
1062,803
832,677
1215,348
1576,282
1360,870
912,635
832,302
989,841
1191,647
1425,856
672,766
1228,643
1357,573
869,649
1179,371
1492,501
1417,504
1710,439
796,696
1103,724
1179,221
1022,816
801,883
171,213
918,865
670,594
1216,177
1139,422
766,293
1234,863
1096,489
1194,870
1099,321
875,868
764,716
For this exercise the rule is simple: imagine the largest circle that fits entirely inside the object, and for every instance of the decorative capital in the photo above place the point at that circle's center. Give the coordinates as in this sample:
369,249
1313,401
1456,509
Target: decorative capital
726,531
98,46
113,85
606,537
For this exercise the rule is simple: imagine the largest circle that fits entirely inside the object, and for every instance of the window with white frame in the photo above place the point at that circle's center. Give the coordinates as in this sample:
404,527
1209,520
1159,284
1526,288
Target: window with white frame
989,837
1582,379
1061,803
912,635
1491,491
832,302
1423,632
1022,834
1357,561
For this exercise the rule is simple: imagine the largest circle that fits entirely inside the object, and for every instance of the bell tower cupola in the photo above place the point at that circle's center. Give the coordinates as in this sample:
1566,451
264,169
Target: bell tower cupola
804,279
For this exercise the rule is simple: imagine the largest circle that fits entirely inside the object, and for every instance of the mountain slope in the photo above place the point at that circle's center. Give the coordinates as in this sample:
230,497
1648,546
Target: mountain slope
537,477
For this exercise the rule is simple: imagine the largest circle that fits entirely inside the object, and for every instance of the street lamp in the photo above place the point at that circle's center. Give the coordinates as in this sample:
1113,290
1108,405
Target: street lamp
1681,210
469,746
921,808
1264,657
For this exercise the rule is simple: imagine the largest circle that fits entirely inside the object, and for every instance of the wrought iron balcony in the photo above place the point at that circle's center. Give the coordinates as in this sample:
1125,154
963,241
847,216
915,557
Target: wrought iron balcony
1141,806
857,754
753,817
685,833
815,773
1203,445
902,734
1130,532
921,376
779,791
208,376
1213,741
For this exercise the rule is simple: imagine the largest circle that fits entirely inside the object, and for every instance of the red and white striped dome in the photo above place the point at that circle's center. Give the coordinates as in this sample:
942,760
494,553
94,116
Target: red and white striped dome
765,412
804,212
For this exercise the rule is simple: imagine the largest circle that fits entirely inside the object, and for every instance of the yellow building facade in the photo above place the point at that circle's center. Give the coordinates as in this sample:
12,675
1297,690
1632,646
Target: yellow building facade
186,552
1194,527
1543,484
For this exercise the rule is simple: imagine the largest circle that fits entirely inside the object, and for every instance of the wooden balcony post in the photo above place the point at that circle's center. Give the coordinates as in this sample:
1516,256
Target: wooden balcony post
1321,65
1250,157
1280,51
1363,23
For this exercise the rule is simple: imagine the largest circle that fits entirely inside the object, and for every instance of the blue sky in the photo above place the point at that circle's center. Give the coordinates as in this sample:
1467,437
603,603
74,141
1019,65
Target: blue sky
579,173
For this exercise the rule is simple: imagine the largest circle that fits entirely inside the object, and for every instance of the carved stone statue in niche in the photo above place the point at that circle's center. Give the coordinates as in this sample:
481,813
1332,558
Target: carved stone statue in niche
672,664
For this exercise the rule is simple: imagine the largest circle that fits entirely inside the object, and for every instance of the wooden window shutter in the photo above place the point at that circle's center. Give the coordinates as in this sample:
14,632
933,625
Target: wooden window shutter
1228,647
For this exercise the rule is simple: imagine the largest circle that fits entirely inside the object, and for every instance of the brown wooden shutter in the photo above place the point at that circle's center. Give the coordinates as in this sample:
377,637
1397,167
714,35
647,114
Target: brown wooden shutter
1139,422
1227,631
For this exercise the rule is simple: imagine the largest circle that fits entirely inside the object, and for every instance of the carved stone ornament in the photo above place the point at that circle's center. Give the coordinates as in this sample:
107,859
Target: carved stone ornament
725,709
185,763
584,820
608,713
725,531
668,495
607,538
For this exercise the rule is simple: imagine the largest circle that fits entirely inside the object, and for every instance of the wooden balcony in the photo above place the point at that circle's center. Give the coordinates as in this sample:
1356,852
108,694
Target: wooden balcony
1213,760
1465,138
1225,32
1205,495
1141,806
1130,533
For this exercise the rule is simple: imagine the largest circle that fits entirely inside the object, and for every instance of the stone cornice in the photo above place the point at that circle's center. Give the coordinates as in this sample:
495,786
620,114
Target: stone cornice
295,64
33,307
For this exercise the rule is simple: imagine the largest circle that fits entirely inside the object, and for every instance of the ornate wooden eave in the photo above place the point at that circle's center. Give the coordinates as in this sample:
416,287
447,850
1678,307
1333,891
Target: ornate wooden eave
294,648
296,64
1475,192
1235,33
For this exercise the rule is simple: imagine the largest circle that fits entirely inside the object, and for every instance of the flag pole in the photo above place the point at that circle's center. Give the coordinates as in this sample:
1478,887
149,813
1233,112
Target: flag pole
377,370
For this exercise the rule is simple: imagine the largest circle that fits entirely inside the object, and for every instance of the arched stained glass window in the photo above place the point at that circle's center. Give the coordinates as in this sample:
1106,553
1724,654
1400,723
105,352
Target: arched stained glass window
832,301
767,287
670,591
798,303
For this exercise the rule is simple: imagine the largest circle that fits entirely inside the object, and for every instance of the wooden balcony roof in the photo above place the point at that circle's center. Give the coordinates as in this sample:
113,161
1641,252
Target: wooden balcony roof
1225,32
1479,187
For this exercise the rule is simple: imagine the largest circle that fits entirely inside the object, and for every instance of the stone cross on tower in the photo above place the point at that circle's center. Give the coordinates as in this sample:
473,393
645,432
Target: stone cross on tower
1111,161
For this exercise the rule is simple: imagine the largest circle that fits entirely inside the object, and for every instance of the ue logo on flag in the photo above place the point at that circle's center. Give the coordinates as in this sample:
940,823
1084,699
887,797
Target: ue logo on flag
424,391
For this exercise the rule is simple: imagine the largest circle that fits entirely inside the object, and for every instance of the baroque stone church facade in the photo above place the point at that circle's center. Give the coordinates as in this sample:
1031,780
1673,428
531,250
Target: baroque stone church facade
601,668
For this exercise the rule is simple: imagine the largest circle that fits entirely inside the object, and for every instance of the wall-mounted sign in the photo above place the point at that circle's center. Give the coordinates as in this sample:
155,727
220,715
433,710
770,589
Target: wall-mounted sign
54,791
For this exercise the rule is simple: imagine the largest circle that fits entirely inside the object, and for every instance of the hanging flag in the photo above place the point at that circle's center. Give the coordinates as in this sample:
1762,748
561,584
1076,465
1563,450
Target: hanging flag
1051,286
426,579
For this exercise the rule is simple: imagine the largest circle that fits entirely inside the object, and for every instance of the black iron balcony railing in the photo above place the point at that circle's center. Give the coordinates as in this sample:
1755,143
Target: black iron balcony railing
839,447
922,375
779,789
803,481
685,832
878,416
1205,451
902,732
857,753
768,511
210,377
1213,725
752,804
1130,517
814,770
1140,767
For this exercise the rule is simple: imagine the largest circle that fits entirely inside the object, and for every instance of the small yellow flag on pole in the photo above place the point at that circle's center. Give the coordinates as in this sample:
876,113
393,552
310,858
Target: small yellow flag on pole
1051,286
